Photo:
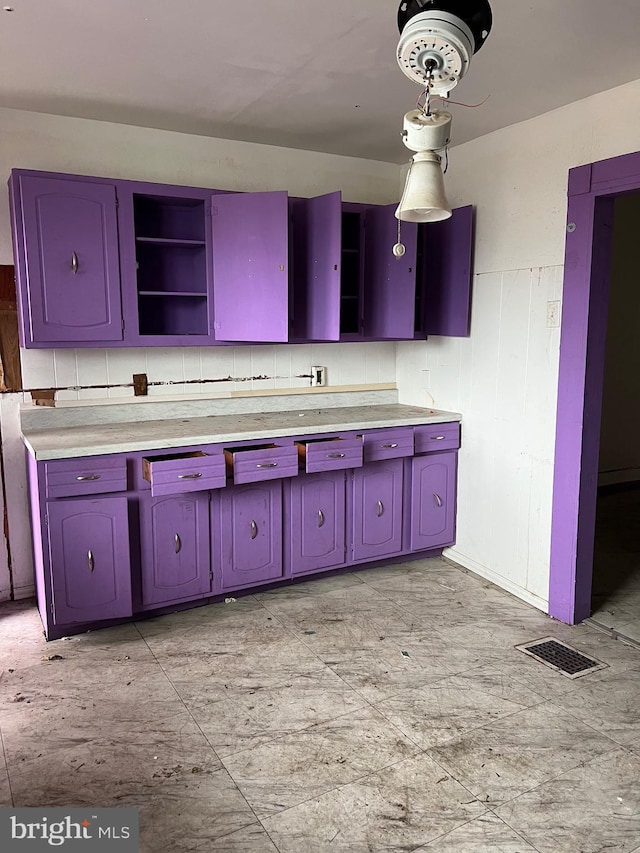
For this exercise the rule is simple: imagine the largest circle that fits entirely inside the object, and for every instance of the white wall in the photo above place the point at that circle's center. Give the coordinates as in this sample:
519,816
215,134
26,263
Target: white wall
504,377
80,146
619,445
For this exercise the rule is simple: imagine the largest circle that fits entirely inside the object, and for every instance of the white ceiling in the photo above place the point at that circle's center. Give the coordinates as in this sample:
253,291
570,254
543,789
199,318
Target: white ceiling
314,74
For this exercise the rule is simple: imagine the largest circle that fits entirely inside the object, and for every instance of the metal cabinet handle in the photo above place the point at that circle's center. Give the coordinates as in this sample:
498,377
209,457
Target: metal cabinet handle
91,561
84,477
320,518
178,543
438,499
380,508
438,437
254,529
74,262
389,446
336,455
189,476
267,465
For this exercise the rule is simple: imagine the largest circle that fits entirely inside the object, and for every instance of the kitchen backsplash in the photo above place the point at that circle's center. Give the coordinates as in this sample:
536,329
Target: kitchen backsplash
104,374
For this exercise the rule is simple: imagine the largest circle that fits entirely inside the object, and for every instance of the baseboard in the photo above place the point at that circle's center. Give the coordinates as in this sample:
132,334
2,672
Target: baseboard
498,580
24,592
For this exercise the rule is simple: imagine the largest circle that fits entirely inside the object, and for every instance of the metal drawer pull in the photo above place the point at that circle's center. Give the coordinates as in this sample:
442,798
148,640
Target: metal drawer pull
267,465
189,476
320,518
438,499
438,437
389,446
336,455
178,543
380,508
254,529
91,561
84,477
74,262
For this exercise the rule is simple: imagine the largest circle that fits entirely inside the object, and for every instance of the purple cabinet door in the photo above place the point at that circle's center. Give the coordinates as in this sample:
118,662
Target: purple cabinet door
90,562
446,274
174,540
317,522
377,510
389,282
433,500
317,251
251,534
73,276
250,266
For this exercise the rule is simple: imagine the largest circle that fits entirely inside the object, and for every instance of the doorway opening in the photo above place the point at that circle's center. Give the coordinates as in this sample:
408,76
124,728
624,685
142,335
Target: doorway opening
598,193
615,595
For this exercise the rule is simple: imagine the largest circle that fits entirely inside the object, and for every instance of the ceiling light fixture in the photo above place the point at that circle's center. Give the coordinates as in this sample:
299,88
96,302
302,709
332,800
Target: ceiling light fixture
437,41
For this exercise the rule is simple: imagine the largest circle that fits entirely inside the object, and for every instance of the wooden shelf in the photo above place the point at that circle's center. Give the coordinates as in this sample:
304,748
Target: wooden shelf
172,293
166,241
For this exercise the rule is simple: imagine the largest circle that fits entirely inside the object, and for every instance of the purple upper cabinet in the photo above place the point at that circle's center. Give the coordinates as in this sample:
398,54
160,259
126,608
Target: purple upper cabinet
174,534
389,282
72,278
90,563
377,510
444,271
250,266
317,242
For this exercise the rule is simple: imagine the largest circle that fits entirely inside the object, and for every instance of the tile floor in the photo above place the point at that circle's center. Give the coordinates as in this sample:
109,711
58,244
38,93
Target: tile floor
616,565
373,712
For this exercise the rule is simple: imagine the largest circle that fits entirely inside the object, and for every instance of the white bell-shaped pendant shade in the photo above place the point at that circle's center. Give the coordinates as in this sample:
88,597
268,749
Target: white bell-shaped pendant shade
424,198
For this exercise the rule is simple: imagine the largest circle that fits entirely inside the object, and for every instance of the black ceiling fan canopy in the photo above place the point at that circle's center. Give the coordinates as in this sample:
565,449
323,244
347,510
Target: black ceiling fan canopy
476,14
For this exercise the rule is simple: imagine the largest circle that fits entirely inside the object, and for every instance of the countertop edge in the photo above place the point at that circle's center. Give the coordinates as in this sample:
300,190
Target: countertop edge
49,453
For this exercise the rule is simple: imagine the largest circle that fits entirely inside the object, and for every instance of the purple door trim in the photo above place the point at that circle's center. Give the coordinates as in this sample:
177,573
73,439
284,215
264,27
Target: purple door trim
592,192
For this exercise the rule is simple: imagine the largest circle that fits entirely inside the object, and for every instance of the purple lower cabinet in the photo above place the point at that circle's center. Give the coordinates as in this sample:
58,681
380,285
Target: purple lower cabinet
433,500
316,523
377,510
175,552
90,560
251,534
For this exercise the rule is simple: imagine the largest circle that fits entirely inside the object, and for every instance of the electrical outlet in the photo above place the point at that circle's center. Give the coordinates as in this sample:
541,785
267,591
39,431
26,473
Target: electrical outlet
553,315
318,376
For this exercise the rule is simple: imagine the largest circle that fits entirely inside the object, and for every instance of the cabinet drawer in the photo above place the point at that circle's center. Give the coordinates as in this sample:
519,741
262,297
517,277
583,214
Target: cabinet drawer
329,454
175,473
388,444
258,462
90,475
434,437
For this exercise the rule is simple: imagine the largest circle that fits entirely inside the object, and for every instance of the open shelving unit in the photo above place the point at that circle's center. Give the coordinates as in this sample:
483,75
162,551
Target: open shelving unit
171,260
350,276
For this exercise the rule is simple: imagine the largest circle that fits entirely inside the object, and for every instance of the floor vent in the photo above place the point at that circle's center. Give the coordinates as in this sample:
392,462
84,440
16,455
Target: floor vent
561,657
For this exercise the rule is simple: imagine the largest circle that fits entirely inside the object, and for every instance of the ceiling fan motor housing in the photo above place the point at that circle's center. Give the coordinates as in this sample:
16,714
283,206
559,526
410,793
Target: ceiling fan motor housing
439,37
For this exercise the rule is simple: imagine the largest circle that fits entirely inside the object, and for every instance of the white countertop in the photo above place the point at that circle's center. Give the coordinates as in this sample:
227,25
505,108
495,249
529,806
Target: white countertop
97,439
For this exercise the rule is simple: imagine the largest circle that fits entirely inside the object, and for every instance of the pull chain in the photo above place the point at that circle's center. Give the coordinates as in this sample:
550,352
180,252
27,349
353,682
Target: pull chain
399,249
431,66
